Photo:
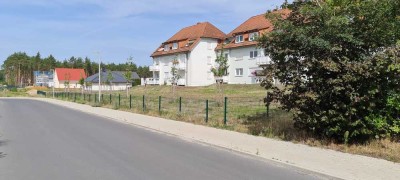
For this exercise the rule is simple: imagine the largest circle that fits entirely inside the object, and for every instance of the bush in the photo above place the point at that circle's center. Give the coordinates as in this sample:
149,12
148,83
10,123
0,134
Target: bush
338,62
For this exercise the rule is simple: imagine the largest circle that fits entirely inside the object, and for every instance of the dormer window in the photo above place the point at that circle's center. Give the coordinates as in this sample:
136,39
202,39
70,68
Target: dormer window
239,39
189,43
253,36
175,45
166,47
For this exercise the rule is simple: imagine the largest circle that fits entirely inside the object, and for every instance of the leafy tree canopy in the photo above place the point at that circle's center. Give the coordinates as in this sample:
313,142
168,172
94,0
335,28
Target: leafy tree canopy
337,61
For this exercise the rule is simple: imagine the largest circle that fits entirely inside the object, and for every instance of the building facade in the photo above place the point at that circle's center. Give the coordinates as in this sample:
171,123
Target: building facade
110,81
68,78
192,52
195,48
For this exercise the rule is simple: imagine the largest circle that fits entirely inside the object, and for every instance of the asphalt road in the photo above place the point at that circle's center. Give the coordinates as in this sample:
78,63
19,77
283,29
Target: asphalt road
43,141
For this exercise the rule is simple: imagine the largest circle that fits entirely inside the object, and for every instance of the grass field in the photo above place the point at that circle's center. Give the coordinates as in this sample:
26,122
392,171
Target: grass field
246,113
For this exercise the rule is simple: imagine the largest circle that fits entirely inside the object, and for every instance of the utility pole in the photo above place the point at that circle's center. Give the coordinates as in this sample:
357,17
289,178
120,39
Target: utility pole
98,56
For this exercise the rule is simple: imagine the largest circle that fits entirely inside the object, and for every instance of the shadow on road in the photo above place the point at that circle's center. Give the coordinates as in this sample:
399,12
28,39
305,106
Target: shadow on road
2,143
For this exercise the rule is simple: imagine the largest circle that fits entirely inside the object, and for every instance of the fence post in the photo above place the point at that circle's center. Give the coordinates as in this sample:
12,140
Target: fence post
84,97
89,96
95,99
159,104
110,98
75,97
102,97
267,109
225,110
144,106
130,101
119,100
206,110
180,104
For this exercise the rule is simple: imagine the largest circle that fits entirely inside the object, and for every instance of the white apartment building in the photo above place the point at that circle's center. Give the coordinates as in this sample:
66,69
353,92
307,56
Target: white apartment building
193,48
196,48
245,58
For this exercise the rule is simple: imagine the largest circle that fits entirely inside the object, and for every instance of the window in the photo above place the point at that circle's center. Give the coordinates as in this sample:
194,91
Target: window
253,36
166,47
253,54
175,46
209,60
209,46
239,72
239,39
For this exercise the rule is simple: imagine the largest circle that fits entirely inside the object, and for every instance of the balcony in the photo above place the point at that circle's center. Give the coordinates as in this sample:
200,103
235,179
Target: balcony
181,66
154,68
263,60
181,82
152,81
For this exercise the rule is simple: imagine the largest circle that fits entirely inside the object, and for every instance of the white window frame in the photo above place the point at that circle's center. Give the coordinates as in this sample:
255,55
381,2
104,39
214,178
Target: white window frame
209,46
175,45
252,56
239,39
239,58
253,36
166,47
237,72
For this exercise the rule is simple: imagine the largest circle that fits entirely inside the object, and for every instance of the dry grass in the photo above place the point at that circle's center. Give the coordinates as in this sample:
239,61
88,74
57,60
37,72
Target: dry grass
246,114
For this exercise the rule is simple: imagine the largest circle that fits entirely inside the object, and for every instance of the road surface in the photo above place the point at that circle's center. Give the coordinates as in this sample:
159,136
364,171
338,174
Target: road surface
44,141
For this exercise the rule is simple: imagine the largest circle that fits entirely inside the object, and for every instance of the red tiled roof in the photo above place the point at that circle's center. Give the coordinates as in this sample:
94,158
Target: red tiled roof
256,23
70,74
192,33
200,30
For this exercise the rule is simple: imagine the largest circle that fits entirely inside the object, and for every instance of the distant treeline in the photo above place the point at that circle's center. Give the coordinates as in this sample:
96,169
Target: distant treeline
18,68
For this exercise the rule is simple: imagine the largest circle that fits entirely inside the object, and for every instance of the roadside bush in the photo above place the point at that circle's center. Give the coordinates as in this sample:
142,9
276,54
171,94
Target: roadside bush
338,62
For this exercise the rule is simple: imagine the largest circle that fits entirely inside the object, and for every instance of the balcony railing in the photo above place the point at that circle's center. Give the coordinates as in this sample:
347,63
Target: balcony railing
181,82
182,66
154,68
153,81
263,60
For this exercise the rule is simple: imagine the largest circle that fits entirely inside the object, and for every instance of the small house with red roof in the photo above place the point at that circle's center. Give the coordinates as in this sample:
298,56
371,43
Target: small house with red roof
192,52
68,78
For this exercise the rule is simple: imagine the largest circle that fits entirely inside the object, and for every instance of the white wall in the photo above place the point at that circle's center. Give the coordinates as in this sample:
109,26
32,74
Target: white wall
199,69
104,87
240,58
165,65
60,84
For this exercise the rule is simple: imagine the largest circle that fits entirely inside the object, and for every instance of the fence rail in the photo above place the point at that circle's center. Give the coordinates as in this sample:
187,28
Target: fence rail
220,111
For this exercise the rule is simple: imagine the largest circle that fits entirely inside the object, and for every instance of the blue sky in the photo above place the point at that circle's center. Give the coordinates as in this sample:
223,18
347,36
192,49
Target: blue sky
115,28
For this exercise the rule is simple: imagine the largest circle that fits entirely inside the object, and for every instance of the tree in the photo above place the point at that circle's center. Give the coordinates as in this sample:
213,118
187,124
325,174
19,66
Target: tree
67,82
174,75
335,60
128,74
110,78
220,70
82,83
88,66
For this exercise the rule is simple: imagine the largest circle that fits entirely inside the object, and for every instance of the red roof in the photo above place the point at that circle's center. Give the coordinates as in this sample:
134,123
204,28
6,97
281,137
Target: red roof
257,23
70,74
191,33
204,30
